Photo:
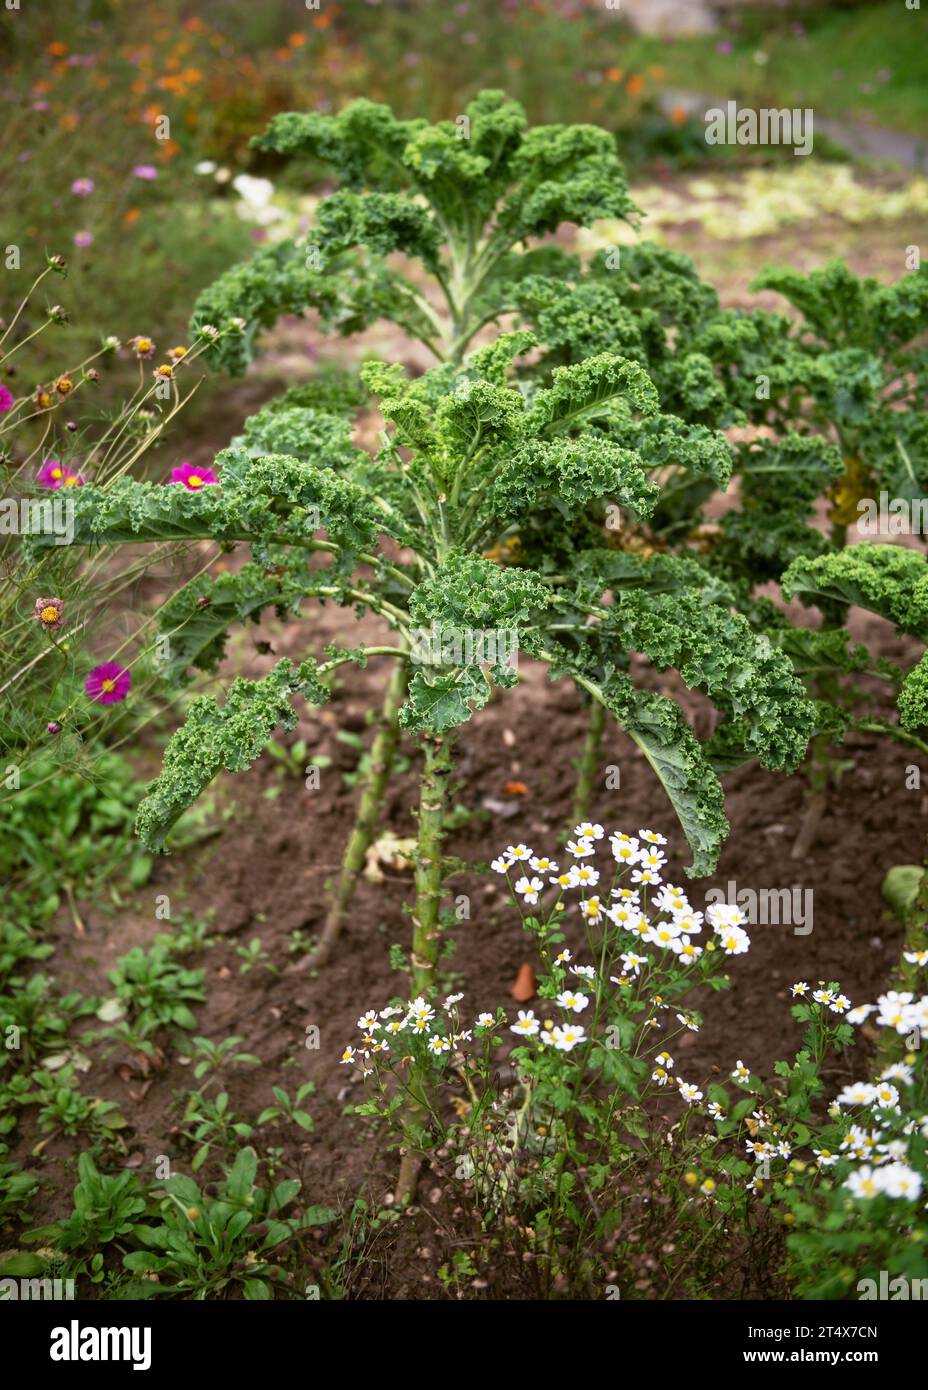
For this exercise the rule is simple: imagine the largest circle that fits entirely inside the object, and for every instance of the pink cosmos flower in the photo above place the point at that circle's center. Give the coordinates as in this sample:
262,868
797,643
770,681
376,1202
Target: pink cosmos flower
193,478
145,171
82,187
49,612
83,239
108,683
52,474
72,479
6,399
53,727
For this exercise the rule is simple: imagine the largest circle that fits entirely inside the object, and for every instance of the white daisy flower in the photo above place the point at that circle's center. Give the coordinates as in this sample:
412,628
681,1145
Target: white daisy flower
567,1037
592,909
585,874
734,941
575,1002
685,949
863,1182
529,888
662,934
859,1093
633,962
586,830
526,1024
898,1180
625,852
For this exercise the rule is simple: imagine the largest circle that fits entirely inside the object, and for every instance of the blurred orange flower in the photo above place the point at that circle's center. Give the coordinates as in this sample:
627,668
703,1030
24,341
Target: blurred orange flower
296,40
635,85
58,50
131,215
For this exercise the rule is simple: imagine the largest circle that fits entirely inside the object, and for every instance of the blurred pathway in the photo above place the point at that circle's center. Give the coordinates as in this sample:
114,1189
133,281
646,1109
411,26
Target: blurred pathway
857,138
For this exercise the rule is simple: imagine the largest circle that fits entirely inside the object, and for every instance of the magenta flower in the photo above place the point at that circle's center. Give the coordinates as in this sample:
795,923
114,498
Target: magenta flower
108,684
725,46
53,727
145,171
6,399
193,478
83,239
82,187
52,474
72,479
49,612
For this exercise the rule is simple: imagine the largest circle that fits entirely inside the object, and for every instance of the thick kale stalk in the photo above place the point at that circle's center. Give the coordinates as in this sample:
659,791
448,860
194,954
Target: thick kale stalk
367,819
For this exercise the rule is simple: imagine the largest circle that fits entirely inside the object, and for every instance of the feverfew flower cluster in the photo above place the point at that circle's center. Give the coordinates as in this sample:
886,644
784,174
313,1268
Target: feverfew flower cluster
394,1026
642,857
883,1128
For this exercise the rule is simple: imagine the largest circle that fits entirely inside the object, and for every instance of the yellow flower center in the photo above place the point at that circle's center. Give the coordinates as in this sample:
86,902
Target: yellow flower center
108,685
49,614
194,480
57,472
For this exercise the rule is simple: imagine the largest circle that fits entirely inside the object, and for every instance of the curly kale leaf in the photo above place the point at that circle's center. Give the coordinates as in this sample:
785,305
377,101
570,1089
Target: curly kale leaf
384,222
715,651
471,614
268,498
780,483
850,311
275,281
582,391
890,580
912,700
214,737
196,620
656,724
301,432
566,475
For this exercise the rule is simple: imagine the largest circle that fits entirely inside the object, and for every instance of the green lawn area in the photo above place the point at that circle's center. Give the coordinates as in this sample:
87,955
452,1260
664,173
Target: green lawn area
869,64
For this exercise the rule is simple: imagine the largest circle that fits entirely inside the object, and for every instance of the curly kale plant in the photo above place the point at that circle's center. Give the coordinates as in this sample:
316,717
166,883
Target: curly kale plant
459,199
466,459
